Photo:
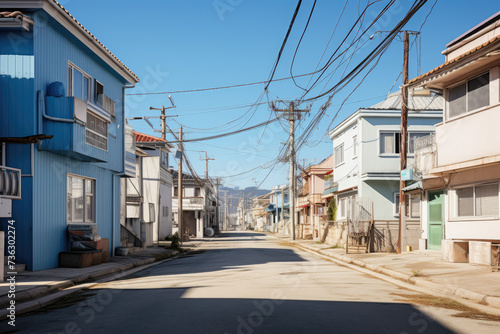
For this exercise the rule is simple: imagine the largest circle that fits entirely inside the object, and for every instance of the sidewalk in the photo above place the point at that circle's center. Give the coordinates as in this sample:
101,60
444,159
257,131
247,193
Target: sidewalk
426,269
31,285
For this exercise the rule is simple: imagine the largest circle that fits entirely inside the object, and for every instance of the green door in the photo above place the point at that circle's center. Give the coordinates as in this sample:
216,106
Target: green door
435,220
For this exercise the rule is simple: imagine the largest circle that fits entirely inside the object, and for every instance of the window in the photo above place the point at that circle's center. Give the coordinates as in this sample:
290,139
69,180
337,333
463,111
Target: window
96,132
355,146
79,83
80,203
339,154
390,142
197,192
164,158
342,207
412,205
165,211
152,215
176,191
469,96
98,93
477,201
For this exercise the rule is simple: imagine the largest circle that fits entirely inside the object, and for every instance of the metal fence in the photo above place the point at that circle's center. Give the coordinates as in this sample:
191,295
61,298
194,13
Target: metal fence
360,224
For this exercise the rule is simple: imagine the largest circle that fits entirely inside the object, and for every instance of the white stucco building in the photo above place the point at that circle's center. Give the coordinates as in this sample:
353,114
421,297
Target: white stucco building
461,164
366,149
149,194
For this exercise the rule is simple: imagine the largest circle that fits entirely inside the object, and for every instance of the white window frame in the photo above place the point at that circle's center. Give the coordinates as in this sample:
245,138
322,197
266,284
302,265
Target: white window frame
394,133
467,111
409,200
71,68
86,193
335,154
454,202
354,146
95,132
164,158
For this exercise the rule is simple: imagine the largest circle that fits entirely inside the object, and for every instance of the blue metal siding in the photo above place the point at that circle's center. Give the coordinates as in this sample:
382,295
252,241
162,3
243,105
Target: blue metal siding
41,214
49,222
53,49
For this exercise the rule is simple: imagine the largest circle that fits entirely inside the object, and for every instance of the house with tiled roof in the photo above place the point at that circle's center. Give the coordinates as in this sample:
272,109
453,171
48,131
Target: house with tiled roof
366,164
148,214
460,165
62,125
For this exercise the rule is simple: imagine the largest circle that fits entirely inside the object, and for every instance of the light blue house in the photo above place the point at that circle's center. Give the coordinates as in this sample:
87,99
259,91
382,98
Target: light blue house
366,151
62,124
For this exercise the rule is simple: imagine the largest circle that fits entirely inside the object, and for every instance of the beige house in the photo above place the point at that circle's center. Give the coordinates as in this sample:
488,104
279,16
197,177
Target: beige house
460,165
309,205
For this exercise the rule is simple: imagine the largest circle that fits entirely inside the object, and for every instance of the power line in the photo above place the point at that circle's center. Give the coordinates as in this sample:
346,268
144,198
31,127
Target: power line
283,44
227,134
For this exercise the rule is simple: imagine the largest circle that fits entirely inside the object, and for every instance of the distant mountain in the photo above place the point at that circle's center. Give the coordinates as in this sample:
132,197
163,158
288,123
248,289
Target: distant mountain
234,195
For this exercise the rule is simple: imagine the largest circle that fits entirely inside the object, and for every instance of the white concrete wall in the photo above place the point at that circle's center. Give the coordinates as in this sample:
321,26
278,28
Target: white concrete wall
475,136
474,41
151,186
347,174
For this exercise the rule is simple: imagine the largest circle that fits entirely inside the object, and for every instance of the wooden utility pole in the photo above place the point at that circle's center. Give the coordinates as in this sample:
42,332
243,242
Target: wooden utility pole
182,233
292,114
163,117
206,163
218,182
404,147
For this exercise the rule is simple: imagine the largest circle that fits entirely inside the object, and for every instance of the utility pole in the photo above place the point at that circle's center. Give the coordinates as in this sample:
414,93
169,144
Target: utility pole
244,206
206,163
179,193
403,148
163,117
218,182
292,114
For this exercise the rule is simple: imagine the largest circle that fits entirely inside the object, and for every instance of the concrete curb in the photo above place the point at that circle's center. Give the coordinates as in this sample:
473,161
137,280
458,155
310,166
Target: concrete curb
441,288
32,299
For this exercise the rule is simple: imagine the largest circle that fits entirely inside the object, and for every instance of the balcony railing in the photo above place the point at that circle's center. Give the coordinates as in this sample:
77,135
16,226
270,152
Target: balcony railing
107,104
425,154
10,182
425,142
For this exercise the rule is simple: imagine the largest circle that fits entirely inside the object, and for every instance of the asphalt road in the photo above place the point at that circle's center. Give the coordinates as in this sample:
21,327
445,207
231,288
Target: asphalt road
245,282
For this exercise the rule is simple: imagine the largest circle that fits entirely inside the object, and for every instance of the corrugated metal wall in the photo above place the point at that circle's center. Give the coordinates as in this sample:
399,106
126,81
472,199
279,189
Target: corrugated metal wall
41,214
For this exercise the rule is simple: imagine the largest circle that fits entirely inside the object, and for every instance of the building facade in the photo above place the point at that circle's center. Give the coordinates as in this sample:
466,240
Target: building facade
199,203
366,155
60,84
461,163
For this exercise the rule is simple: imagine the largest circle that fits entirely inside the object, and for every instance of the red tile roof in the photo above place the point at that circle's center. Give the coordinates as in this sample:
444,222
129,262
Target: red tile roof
99,42
144,138
454,60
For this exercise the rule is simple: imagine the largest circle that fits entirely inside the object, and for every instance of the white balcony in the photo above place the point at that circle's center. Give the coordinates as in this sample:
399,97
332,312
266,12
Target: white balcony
470,138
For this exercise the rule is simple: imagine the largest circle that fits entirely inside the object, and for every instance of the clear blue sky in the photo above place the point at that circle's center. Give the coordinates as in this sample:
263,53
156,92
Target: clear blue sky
183,45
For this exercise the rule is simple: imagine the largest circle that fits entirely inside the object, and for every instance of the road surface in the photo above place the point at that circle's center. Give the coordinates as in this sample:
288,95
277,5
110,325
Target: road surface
246,282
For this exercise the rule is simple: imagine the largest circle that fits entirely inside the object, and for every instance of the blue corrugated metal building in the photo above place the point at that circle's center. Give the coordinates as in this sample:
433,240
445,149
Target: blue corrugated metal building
57,79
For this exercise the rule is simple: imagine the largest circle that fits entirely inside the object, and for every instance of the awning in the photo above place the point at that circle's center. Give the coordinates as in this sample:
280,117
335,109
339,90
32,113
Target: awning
270,208
330,191
304,206
414,186
330,172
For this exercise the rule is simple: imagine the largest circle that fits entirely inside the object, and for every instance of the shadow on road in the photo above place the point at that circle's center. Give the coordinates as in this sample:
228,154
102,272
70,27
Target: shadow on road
166,311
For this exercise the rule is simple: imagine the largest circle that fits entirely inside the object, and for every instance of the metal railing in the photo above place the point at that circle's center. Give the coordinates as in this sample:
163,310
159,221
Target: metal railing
425,142
10,182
